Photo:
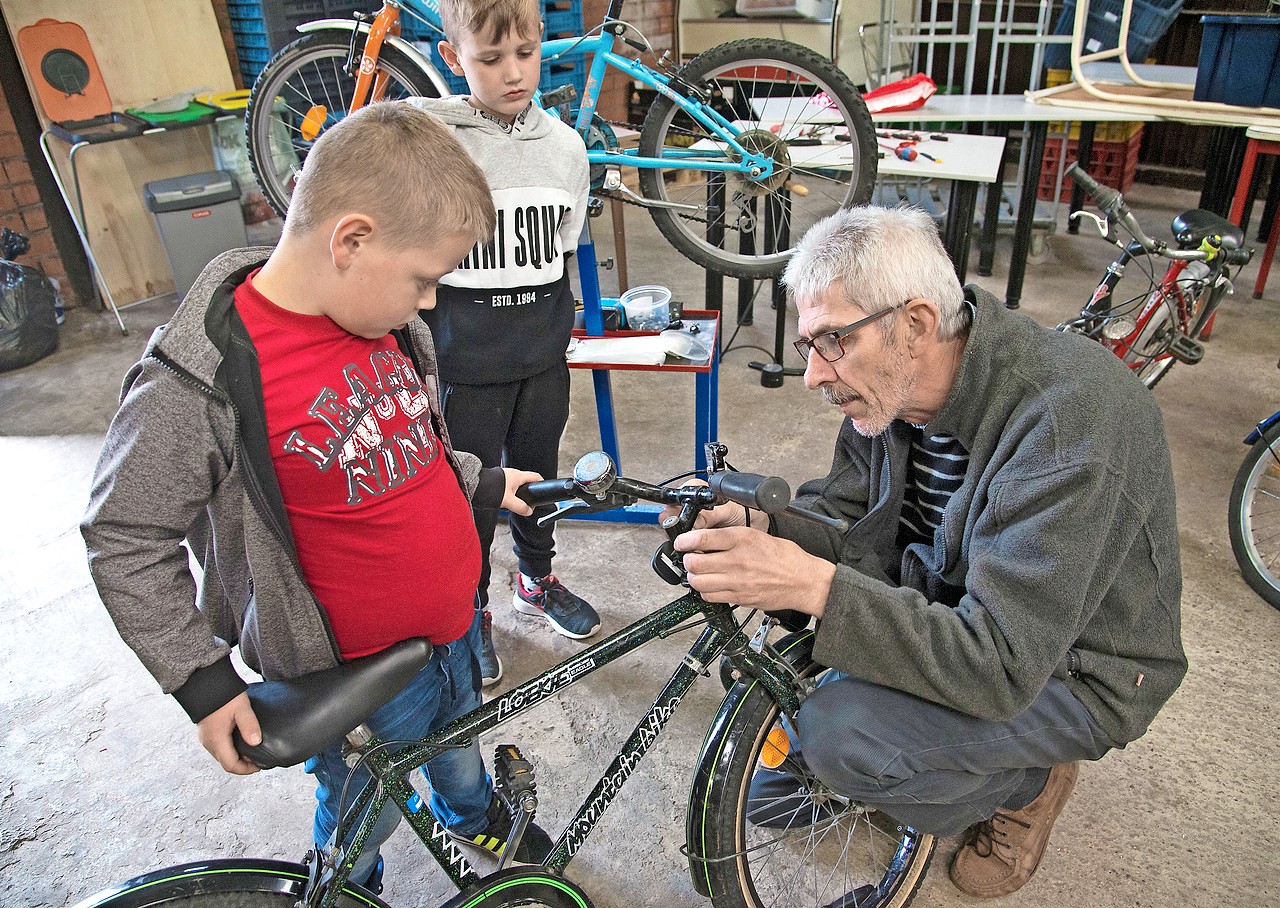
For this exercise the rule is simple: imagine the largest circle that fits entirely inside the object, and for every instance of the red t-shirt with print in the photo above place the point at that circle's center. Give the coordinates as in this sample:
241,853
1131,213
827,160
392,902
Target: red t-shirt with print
383,530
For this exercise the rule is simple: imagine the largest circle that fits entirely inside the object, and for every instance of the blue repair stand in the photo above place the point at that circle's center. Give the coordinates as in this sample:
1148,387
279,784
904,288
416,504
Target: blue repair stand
706,392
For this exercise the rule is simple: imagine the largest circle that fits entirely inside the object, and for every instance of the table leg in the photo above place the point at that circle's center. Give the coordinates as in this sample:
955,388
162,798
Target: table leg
1026,213
1084,155
617,212
964,196
1243,184
76,210
747,245
715,235
991,214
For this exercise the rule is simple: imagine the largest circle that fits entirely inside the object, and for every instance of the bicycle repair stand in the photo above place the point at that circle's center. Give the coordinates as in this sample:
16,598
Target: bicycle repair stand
706,383
772,373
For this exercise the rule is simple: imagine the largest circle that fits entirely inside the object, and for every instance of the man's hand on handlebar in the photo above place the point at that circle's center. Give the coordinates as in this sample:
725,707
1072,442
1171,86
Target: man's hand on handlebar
752,569
515,479
729,514
214,731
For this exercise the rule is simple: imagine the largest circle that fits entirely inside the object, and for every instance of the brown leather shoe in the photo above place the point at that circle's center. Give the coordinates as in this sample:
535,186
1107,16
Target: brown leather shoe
1002,853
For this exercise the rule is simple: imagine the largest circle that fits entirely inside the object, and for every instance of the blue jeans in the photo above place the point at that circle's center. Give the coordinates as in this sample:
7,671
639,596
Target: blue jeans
931,767
445,689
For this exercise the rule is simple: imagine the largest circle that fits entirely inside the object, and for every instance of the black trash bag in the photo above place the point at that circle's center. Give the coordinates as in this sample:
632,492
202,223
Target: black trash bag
28,314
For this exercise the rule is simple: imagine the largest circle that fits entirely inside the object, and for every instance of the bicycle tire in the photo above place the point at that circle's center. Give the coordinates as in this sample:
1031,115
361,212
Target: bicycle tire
303,91
837,176
234,883
852,857
1254,517
521,887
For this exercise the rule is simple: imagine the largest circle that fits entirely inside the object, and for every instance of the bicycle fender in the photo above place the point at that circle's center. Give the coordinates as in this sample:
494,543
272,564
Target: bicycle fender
418,57
1262,428
718,750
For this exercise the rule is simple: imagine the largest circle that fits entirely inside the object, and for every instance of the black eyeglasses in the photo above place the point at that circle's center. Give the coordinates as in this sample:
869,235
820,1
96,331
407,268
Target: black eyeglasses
830,345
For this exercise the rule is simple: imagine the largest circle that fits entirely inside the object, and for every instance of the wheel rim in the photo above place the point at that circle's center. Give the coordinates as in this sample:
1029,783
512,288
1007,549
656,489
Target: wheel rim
311,95
1260,519
808,182
841,854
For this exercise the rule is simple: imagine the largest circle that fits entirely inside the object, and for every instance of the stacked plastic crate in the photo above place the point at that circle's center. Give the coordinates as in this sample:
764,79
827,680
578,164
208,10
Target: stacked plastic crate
1114,161
250,31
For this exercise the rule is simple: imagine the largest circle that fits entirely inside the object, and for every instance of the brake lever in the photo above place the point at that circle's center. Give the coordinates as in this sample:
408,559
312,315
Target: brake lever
1104,227
576,504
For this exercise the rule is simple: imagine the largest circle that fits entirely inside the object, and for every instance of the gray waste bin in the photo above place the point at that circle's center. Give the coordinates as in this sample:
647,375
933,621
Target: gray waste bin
199,217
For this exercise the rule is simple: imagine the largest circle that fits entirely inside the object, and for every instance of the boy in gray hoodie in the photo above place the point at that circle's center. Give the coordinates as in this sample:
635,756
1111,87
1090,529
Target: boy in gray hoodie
285,425
507,311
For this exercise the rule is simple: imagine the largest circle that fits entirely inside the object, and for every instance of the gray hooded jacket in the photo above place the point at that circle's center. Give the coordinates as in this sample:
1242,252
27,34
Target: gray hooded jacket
186,458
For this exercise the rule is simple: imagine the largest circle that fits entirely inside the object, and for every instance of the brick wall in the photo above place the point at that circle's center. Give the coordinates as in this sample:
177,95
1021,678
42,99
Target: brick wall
656,20
20,207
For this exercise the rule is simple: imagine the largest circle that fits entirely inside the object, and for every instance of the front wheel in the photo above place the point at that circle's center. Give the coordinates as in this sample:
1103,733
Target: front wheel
526,887
790,104
810,845
222,884
1254,517
303,91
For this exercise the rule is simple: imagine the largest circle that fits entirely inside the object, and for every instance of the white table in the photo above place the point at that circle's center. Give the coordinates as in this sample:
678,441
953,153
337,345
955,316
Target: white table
999,112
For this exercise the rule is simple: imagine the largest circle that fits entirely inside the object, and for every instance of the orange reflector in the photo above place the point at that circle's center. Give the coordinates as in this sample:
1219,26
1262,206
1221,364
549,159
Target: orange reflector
776,747
313,122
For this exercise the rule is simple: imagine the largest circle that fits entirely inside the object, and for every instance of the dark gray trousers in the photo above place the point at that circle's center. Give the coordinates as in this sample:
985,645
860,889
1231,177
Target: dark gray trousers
932,767
515,424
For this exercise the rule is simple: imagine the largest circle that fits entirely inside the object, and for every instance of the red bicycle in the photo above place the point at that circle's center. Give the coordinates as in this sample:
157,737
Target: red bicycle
1166,319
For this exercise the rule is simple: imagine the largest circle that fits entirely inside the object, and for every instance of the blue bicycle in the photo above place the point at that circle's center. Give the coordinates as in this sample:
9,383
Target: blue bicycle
747,145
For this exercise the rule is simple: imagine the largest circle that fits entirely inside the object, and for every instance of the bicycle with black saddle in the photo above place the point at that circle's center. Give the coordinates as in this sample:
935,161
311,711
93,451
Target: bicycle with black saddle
1157,319
825,851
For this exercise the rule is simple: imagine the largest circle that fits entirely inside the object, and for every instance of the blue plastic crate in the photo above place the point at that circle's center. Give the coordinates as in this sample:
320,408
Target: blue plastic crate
1240,61
1148,22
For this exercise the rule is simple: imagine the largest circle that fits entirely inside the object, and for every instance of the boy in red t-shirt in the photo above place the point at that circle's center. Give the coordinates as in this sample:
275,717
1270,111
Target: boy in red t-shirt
286,426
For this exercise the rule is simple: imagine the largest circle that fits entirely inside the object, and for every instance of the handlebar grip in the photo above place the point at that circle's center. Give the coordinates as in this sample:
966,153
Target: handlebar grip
770,494
1107,198
545,491
1239,256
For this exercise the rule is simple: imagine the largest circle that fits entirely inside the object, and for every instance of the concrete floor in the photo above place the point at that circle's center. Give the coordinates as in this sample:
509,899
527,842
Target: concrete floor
104,778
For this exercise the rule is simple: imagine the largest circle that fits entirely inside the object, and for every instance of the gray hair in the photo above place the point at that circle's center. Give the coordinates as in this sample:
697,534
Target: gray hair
879,257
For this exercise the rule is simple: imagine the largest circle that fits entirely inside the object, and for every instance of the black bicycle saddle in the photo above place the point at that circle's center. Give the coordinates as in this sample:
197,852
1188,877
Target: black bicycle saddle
302,716
1191,227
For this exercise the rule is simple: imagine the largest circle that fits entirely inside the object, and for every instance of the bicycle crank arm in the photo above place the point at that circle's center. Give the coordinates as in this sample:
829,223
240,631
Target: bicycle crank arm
613,183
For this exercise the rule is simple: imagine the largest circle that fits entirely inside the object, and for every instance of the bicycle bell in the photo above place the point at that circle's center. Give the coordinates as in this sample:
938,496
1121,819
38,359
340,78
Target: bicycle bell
595,472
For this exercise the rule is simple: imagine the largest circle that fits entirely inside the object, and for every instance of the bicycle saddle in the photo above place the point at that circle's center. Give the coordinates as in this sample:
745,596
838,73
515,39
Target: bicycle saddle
302,716
1190,227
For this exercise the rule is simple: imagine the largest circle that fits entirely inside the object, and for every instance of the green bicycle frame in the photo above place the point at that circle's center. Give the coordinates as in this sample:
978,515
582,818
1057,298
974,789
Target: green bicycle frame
721,636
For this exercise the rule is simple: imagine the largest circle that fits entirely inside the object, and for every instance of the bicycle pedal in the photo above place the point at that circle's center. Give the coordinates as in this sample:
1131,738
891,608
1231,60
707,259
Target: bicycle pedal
513,777
1186,350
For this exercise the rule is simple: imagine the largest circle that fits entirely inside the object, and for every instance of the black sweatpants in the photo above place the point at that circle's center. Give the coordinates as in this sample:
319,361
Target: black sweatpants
518,425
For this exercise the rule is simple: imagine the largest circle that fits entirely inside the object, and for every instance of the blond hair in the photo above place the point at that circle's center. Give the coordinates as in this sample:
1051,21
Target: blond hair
879,258
490,18
400,166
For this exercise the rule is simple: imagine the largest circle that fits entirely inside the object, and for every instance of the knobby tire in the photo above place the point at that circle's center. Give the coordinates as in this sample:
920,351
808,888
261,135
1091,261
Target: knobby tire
1254,517
301,80
235,883
759,222
846,856
522,887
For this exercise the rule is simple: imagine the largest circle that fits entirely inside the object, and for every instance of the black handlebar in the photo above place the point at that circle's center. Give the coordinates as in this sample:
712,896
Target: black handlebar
1239,256
1108,199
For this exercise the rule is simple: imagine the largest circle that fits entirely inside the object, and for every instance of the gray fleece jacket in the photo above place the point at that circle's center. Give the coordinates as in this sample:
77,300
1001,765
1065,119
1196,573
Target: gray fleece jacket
507,312
1063,537
186,458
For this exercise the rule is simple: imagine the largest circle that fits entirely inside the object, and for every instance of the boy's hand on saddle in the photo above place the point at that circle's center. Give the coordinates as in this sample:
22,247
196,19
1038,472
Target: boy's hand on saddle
750,568
214,731
515,479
